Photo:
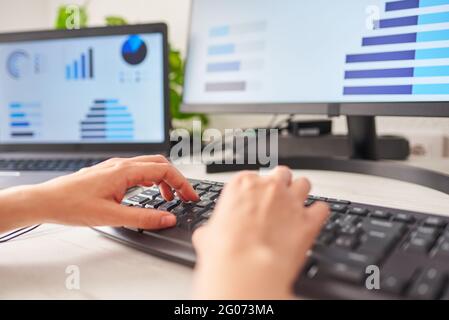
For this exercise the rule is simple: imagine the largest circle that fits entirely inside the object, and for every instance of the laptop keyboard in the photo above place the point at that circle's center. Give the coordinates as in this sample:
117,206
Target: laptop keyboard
46,164
410,249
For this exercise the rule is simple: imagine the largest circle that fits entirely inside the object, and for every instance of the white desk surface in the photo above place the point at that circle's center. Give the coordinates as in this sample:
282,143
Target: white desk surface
33,266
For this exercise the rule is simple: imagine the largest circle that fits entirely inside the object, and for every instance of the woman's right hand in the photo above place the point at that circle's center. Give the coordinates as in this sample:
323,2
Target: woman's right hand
257,241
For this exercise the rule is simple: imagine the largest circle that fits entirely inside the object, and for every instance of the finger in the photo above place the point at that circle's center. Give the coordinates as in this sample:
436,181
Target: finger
315,216
283,174
138,173
146,219
166,191
113,161
301,188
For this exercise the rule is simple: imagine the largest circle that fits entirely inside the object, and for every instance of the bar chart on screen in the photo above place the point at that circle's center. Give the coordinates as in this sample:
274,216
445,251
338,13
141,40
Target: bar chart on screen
107,120
421,68
25,120
82,67
234,51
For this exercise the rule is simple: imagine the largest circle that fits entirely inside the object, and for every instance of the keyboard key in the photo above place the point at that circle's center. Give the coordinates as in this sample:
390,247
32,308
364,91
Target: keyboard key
308,202
331,200
428,285
358,211
204,203
316,198
207,214
389,227
203,187
404,217
154,204
346,241
393,284
209,196
381,214
181,209
442,250
138,199
426,232
216,189
325,238
167,206
338,207
377,242
345,272
435,222
151,193
418,245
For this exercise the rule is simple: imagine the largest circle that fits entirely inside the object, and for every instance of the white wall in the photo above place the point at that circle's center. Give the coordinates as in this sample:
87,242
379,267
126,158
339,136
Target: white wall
29,14
18,15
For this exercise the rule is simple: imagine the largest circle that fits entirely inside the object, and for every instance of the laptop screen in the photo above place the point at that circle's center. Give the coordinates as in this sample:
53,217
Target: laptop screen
101,89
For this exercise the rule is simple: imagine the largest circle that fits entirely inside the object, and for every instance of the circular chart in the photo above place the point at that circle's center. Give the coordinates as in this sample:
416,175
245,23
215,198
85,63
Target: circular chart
134,50
17,64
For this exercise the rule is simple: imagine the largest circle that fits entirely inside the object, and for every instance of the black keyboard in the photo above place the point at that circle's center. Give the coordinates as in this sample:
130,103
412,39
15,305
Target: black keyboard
411,249
46,164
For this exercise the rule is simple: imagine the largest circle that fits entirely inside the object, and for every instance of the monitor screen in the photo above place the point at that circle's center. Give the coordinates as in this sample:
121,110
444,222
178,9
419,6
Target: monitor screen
100,89
318,51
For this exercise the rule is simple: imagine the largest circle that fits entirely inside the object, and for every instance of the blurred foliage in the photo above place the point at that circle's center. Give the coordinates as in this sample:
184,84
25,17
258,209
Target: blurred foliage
176,63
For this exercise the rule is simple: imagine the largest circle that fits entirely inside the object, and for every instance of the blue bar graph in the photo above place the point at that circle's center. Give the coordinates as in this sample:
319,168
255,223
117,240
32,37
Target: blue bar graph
355,85
107,119
81,68
24,120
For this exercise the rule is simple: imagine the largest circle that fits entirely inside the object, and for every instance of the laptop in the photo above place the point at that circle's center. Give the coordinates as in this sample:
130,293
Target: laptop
73,98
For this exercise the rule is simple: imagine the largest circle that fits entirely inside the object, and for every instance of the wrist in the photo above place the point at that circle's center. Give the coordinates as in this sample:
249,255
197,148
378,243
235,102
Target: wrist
20,207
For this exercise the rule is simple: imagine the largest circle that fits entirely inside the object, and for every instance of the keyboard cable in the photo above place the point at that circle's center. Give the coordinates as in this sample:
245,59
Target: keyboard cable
17,233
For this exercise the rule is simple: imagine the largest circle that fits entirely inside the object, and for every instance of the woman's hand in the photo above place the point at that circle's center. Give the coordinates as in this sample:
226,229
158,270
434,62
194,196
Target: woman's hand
92,196
256,242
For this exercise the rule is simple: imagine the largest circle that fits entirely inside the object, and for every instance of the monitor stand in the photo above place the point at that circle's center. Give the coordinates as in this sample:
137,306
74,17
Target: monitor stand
364,158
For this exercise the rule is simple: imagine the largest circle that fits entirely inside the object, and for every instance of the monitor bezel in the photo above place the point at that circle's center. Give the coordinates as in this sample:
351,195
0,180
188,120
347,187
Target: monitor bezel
149,147
336,108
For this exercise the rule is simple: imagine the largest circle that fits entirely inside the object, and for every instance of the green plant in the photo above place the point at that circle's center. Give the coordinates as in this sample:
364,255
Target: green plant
176,63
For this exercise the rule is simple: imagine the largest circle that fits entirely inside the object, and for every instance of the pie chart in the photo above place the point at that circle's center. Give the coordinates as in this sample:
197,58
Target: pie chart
134,50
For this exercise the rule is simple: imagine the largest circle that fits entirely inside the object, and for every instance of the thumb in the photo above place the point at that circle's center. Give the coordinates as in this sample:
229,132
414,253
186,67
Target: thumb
147,219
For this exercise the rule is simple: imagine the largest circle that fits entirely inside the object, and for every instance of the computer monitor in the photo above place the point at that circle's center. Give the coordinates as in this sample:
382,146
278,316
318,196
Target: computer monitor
348,57
94,89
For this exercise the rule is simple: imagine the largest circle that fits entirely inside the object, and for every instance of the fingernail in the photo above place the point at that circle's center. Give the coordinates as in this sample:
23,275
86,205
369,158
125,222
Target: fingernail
168,220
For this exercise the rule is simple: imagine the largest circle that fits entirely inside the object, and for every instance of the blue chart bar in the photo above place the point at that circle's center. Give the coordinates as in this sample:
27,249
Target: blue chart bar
418,72
413,4
75,69
421,54
426,36
18,115
223,66
437,53
81,68
220,31
432,89
424,19
380,73
390,39
68,73
20,124
397,22
221,49
378,90
402,5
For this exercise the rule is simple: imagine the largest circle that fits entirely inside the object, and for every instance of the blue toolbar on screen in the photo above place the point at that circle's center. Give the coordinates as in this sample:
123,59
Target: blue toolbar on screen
105,89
